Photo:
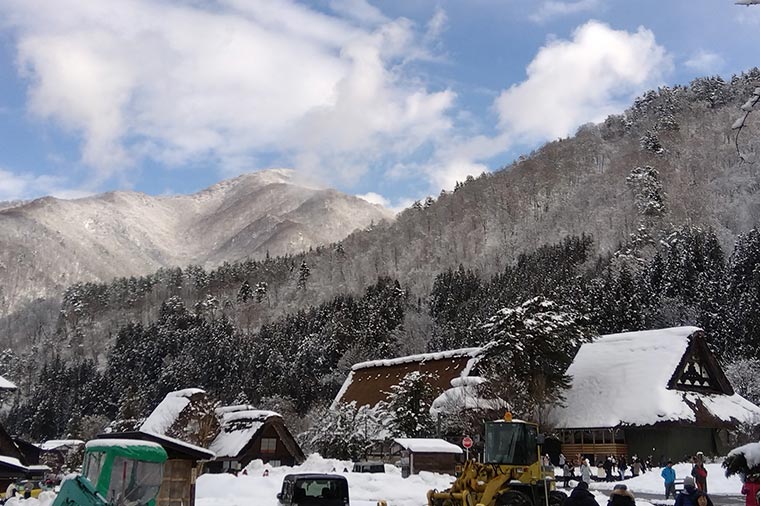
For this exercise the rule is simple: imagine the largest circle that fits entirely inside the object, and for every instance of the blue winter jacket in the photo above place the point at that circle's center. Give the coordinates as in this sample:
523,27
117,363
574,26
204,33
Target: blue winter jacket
668,474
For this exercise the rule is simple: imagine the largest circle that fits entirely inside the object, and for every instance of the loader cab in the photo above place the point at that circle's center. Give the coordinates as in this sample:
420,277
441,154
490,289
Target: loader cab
511,443
125,471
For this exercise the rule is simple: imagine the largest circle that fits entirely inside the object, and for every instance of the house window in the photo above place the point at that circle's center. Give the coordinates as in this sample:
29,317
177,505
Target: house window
268,445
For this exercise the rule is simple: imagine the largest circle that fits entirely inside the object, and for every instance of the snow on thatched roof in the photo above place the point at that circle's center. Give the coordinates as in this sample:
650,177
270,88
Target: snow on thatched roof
368,382
167,412
420,445
239,426
628,379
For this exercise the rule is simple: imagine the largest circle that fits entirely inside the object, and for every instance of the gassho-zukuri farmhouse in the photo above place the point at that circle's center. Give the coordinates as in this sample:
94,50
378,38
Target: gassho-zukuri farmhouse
657,392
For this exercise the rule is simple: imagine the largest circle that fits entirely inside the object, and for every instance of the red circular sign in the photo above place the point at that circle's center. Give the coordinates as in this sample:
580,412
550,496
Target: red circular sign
467,442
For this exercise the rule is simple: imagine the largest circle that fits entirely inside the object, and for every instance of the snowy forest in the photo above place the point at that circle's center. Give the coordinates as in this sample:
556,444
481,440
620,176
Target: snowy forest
643,221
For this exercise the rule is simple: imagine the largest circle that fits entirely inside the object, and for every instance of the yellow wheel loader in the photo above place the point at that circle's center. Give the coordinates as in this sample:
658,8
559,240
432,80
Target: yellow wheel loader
510,474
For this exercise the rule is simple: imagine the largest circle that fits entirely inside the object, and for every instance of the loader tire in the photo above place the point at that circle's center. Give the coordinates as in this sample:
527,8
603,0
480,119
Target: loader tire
557,498
514,498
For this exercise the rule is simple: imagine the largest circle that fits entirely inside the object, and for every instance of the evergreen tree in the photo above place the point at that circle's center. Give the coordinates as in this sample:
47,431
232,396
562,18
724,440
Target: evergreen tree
531,348
409,405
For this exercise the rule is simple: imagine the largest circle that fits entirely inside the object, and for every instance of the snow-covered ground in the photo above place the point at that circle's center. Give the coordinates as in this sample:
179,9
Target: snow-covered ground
366,489
651,482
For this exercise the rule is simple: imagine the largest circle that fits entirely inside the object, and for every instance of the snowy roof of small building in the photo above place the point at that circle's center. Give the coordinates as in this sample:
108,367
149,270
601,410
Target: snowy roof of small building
167,412
13,462
6,384
57,444
628,379
239,426
368,382
419,445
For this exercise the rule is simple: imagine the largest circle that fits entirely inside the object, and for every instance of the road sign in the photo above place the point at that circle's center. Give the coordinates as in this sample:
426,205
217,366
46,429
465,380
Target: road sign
467,442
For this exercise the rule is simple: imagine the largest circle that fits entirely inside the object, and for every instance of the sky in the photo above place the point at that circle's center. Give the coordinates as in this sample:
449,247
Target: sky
391,100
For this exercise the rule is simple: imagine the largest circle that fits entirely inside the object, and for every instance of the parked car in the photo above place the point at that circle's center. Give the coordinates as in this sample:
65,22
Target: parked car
368,467
314,489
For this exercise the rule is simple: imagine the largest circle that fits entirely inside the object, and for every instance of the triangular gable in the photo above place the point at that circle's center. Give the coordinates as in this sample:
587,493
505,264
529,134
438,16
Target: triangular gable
699,371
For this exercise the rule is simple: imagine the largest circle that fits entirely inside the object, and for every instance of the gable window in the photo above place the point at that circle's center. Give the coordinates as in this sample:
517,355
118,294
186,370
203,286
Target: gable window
268,445
695,375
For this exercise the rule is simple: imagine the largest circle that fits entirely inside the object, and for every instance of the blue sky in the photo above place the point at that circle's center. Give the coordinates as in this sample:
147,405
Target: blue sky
392,100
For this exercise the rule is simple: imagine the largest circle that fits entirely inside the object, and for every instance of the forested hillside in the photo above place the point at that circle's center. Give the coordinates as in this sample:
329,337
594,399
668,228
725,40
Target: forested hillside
646,220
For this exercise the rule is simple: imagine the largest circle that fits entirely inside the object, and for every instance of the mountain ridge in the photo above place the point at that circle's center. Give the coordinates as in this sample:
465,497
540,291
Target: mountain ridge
53,242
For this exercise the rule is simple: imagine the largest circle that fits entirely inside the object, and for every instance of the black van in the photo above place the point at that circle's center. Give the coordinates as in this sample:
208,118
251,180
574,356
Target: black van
314,489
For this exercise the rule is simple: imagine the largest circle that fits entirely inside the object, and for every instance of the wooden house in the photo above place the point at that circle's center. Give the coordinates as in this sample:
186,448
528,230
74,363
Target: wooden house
433,455
55,452
180,470
248,434
657,392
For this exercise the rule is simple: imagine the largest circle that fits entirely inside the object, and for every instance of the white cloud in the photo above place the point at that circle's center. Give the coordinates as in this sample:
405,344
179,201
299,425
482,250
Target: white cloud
175,82
22,186
554,8
375,198
704,61
571,82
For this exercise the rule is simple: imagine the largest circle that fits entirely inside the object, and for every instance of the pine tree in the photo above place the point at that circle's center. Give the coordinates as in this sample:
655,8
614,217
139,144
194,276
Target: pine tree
409,405
531,347
303,275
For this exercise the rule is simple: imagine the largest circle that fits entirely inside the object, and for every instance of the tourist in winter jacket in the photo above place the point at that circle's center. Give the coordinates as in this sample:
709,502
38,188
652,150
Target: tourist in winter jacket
580,496
622,466
608,465
699,473
750,489
691,496
621,496
585,471
567,472
669,476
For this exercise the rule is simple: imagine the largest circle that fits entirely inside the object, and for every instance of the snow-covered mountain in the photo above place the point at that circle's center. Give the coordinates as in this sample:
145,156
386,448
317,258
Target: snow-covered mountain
48,243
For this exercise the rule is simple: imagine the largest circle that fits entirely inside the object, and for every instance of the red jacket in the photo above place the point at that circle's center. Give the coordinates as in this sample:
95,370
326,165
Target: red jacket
750,489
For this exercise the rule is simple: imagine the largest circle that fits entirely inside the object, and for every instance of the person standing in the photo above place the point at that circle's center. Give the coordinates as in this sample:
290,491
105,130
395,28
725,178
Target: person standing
585,471
562,460
608,468
699,473
750,489
669,477
567,472
636,467
622,466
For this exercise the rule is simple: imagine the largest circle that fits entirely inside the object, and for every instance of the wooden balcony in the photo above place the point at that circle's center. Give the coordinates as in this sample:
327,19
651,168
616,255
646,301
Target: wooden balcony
570,450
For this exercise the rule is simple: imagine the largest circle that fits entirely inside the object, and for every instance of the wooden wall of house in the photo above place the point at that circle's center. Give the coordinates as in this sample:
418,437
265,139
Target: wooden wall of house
280,453
674,443
434,462
177,487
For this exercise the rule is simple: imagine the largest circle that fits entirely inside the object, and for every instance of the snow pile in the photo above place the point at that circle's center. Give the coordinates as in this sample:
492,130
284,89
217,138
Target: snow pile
630,388
45,498
750,451
463,395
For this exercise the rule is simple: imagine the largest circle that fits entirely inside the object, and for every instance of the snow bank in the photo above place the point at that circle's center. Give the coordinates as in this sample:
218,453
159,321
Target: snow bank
45,499
651,481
